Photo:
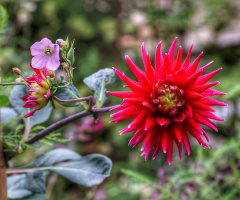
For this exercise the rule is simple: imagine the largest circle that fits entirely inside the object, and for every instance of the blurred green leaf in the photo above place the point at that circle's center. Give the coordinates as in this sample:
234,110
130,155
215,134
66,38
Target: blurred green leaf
3,100
15,98
7,114
3,18
16,189
35,182
97,82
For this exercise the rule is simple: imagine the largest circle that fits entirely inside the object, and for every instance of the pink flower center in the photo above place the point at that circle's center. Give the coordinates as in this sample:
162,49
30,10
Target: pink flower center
48,51
167,97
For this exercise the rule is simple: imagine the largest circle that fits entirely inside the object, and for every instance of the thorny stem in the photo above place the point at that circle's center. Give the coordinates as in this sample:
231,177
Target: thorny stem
66,121
3,175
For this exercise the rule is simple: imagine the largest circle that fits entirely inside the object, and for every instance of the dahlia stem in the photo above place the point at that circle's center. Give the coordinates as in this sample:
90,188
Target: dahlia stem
66,121
3,175
13,83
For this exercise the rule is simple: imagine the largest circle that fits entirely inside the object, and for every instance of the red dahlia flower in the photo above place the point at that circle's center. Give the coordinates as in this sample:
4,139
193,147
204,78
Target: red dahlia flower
39,91
168,102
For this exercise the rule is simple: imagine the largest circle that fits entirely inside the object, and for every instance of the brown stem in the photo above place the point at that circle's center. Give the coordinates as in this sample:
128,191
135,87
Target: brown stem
65,121
72,100
3,175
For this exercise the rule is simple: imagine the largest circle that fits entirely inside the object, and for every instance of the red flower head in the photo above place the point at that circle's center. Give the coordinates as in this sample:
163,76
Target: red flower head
167,102
39,91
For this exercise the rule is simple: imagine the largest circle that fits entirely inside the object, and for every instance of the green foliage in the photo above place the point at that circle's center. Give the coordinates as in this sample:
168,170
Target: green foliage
3,100
35,182
3,18
97,82
15,98
8,115
70,54
87,171
139,177
68,94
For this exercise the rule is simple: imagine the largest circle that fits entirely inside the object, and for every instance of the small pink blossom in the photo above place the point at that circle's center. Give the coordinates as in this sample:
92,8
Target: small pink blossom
46,54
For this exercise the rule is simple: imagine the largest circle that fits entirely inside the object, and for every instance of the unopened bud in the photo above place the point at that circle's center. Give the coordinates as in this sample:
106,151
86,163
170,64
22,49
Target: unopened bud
61,42
19,80
50,73
16,71
64,64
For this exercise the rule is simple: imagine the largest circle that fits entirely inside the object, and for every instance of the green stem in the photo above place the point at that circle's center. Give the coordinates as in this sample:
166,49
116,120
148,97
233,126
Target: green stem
13,83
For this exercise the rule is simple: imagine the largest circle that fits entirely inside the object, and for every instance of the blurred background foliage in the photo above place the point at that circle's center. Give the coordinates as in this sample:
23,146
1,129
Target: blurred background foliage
106,30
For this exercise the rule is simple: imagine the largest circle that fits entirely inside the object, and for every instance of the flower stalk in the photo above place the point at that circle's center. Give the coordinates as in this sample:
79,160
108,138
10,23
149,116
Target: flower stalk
13,83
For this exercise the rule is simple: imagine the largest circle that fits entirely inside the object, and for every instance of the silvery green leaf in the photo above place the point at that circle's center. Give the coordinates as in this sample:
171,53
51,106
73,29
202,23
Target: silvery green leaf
54,156
36,182
97,82
88,171
7,114
68,93
15,99
16,189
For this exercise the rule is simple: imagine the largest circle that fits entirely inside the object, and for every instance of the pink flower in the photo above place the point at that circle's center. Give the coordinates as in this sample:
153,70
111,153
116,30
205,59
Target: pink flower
39,91
46,54
167,103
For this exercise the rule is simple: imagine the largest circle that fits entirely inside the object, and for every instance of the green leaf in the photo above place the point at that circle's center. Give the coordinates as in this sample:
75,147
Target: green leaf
16,189
36,197
3,18
15,98
97,82
70,54
3,100
87,171
68,93
54,156
27,187
7,114
36,182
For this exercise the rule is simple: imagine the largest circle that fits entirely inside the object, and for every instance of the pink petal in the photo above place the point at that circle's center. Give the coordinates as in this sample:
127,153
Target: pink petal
29,114
47,95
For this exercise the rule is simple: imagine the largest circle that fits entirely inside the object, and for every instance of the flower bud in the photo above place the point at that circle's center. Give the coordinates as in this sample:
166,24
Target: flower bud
16,71
61,43
19,80
64,64
50,73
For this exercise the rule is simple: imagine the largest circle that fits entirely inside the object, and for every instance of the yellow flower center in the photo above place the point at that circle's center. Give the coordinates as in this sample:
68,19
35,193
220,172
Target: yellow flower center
167,98
48,51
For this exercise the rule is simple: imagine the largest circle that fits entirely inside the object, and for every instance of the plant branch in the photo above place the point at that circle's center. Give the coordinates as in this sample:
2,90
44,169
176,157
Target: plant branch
12,83
72,100
3,175
66,121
